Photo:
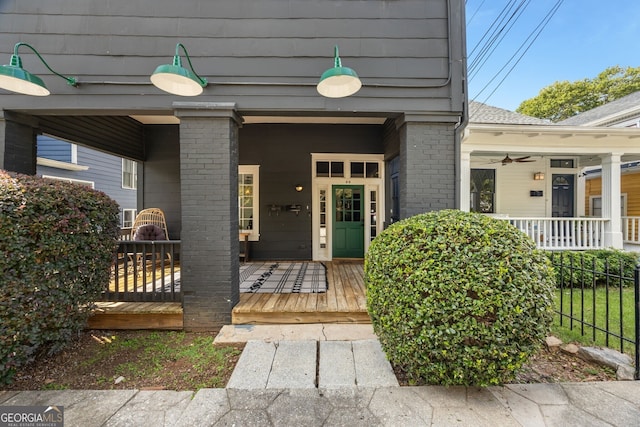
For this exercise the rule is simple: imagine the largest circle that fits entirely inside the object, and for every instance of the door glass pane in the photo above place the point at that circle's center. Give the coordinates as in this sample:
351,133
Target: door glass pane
357,169
374,214
323,219
372,170
322,169
337,169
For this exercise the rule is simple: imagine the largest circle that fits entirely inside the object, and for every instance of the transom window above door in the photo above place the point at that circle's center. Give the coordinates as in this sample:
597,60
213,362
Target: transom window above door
346,169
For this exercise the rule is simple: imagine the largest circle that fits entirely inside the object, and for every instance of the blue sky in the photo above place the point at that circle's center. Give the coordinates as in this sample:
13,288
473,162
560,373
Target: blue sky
582,39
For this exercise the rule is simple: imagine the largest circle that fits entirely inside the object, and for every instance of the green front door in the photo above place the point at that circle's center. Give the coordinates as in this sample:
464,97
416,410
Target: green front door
348,221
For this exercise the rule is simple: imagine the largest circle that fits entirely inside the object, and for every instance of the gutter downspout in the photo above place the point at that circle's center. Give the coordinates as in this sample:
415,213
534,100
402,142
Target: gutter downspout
464,119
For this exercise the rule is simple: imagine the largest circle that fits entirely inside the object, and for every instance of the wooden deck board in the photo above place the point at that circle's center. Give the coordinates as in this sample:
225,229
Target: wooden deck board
344,301
136,315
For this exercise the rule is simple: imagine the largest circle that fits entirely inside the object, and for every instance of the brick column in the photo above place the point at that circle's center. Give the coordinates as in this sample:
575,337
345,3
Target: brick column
427,167
209,193
18,150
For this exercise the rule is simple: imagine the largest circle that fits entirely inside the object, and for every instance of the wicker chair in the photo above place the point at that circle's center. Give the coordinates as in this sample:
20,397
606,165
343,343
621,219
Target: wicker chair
149,222
150,216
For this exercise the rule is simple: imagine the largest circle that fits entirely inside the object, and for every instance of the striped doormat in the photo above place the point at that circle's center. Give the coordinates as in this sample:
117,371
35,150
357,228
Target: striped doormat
283,277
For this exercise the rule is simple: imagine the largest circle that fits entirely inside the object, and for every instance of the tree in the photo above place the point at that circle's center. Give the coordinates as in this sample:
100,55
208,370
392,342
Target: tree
564,99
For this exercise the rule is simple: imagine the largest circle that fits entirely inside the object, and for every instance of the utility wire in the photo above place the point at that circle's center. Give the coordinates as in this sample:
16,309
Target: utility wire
478,63
535,34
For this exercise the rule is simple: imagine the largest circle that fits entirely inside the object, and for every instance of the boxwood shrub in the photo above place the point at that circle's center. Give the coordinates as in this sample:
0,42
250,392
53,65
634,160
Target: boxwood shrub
458,298
589,267
56,246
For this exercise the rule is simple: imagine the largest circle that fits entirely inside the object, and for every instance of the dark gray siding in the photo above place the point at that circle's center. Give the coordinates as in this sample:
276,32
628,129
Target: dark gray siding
105,171
262,54
283,153
161,176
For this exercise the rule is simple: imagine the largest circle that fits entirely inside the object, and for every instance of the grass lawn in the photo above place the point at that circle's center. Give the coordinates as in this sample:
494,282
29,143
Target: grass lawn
585,305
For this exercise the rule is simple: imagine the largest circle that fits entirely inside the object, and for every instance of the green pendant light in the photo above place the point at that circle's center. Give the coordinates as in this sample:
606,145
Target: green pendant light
177,80
339,81
14,78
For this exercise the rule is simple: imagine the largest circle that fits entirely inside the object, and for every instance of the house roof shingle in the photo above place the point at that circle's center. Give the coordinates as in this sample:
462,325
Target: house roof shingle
483,113
609,109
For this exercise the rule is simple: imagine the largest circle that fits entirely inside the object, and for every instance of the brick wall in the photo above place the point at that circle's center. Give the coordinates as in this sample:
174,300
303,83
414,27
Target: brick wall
427,168
209,186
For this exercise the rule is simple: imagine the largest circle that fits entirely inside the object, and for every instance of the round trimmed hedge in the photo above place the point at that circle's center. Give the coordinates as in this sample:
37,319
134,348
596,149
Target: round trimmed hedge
458,298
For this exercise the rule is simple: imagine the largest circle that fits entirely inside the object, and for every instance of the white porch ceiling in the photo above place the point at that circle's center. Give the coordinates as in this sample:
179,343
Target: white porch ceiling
585,143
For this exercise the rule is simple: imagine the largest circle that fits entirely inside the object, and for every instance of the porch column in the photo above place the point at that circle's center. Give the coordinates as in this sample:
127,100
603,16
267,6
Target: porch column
465,181
209,192
18,150
427,166
611,200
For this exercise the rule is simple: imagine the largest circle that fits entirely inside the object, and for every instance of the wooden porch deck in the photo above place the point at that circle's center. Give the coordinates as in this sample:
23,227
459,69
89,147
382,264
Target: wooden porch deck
344,301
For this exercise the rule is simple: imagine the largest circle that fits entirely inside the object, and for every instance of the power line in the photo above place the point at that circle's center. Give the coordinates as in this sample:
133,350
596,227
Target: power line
535,34
479,62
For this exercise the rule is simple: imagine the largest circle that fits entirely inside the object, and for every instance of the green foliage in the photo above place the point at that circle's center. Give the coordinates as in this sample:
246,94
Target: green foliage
56,247
458,298
564,99
586,268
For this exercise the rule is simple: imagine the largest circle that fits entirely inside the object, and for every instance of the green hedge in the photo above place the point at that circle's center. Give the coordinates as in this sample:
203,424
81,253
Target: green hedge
56,247
586,268
458,298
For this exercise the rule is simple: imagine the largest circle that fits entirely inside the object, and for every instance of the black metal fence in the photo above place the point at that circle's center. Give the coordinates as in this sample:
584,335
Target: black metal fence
601,299
145,271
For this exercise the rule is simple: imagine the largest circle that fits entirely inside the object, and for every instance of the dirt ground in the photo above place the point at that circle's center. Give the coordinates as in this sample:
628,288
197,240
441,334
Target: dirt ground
84,366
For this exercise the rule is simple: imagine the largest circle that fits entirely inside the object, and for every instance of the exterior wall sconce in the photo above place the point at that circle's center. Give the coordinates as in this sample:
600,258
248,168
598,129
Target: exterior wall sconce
538,176
14,78
299,188
177,80
339,81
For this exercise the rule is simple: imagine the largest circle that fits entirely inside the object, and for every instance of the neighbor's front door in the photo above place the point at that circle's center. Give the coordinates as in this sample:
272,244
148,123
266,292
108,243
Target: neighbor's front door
348,221
562,195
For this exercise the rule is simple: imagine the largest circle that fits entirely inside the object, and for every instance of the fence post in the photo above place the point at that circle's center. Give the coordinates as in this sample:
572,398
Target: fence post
636,287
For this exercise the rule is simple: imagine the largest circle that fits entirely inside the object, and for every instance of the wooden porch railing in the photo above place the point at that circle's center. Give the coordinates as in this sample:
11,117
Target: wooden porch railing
563,233
145,271
631,229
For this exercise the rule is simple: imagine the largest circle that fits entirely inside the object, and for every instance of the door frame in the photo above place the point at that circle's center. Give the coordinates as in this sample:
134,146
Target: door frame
360,223
372,223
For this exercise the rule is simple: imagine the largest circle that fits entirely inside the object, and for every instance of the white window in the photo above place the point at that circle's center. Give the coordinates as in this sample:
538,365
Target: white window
248,200
595,205
128,216
129,174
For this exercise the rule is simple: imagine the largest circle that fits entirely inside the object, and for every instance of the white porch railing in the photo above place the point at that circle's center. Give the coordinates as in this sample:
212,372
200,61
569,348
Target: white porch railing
631,229
563,233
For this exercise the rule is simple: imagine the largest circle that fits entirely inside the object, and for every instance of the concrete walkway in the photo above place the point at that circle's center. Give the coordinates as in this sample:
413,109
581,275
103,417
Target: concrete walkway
317,381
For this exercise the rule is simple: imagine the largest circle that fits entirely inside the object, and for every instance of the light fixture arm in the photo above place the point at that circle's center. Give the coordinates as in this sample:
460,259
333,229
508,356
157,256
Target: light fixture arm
336,57
16,61
178,62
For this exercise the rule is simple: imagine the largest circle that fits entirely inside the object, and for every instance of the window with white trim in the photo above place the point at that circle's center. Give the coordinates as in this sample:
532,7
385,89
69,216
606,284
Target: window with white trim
128,217
248,200
595,205
129,174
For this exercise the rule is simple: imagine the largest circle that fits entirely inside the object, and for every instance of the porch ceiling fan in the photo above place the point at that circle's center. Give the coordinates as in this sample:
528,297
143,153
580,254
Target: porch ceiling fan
508,160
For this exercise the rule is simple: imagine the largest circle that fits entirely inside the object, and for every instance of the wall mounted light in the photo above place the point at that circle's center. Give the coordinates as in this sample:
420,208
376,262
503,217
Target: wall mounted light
299,188
16,79
177,80
538,176
339,81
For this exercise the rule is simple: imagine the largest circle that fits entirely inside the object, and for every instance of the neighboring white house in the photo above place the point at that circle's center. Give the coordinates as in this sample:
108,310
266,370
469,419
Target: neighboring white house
527,169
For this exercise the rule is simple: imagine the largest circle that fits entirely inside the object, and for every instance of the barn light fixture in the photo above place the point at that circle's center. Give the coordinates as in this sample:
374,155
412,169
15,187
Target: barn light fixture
176,79
16,79
339,81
